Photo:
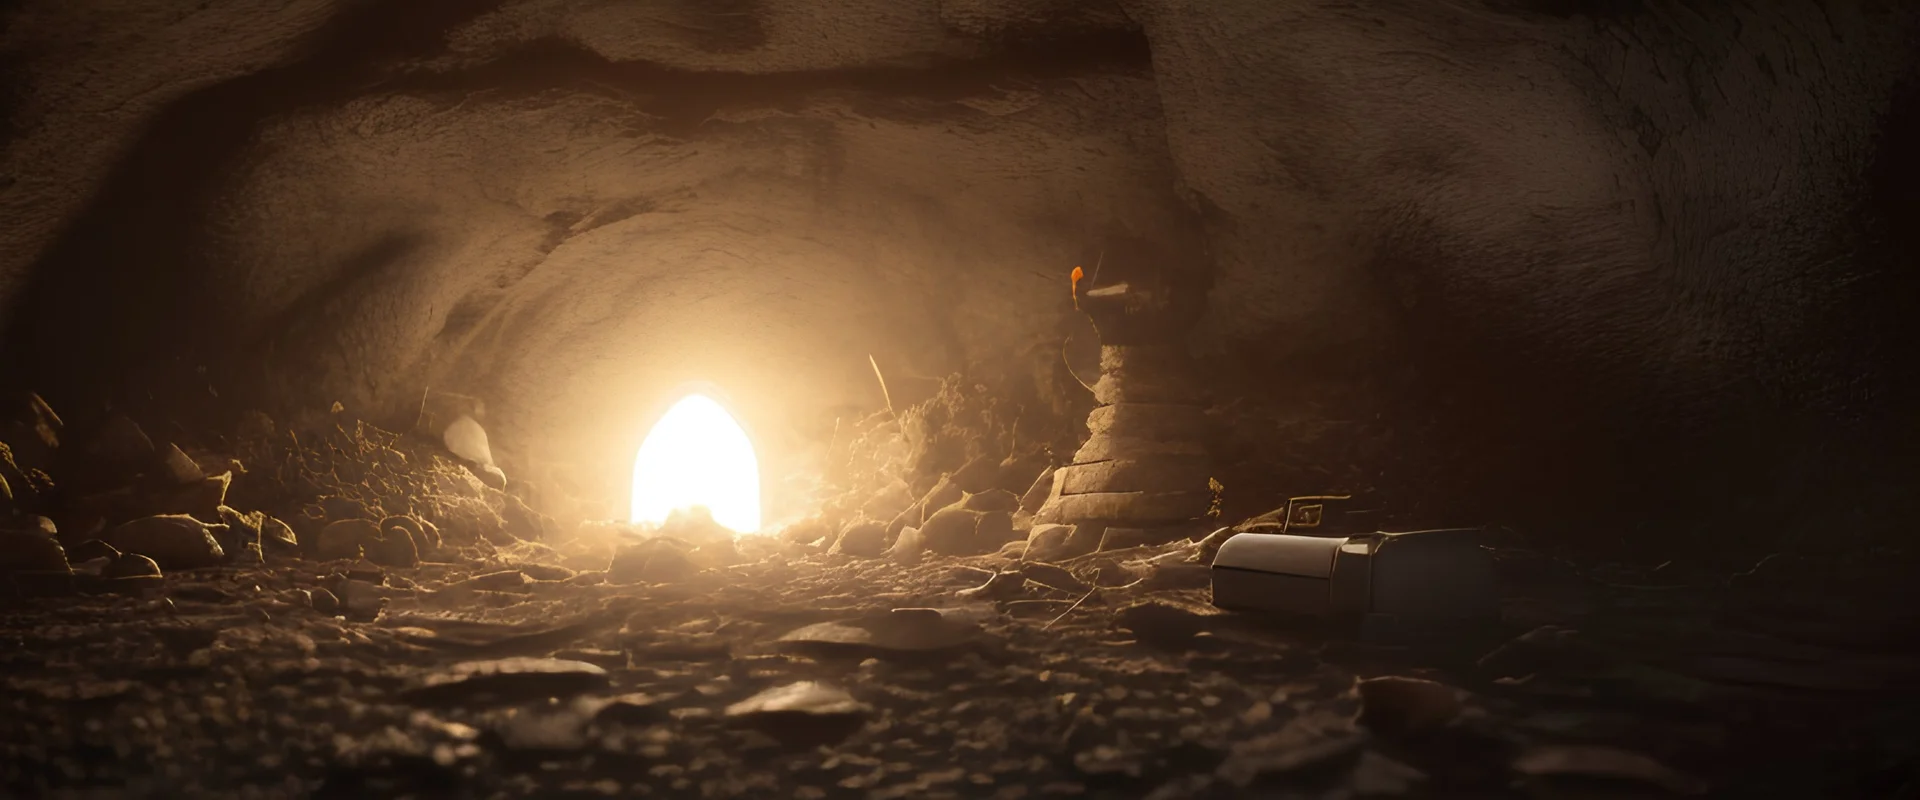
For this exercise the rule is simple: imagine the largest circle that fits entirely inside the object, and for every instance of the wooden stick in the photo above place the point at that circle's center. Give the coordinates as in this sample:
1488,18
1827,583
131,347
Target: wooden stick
884,394
1070,609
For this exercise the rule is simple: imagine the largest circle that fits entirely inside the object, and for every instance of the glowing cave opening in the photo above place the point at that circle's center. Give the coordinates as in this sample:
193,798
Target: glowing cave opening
698,455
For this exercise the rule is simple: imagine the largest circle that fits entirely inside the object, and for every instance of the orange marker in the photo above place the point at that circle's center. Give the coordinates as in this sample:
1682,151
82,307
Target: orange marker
1077,275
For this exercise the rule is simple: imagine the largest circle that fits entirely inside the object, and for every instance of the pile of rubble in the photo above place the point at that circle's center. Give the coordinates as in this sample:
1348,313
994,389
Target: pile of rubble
116,510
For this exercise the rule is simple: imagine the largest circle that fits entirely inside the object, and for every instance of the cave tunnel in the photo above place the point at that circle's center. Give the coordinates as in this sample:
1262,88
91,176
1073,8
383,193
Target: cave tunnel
334,333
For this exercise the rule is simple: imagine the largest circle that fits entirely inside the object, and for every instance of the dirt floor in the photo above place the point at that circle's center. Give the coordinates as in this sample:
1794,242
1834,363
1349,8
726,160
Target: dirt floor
480,679
498,654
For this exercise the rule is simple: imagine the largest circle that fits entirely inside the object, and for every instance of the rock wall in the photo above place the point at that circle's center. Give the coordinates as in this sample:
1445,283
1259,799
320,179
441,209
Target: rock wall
1633,249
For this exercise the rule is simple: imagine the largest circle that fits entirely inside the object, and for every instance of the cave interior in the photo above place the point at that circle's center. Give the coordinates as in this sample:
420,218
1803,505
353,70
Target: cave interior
347,348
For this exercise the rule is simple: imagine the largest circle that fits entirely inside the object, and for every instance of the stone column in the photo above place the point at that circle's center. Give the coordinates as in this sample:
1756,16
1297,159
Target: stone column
1146,466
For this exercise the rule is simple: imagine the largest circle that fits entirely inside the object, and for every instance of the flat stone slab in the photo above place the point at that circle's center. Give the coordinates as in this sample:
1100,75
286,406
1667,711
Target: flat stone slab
507,680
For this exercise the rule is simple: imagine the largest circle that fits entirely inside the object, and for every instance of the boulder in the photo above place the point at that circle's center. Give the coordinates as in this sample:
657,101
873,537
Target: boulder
952,532
863,538
345,539
277,535
174,541
995,529
23,551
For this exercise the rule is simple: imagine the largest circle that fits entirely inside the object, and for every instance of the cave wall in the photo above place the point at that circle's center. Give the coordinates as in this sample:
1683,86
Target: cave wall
1617,249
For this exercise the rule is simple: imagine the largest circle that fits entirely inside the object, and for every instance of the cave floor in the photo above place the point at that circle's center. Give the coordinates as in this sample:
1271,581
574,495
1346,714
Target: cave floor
228,683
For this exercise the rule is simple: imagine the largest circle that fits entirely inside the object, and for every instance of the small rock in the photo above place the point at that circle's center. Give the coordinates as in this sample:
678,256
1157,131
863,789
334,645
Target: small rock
1395,705
131,565
490,476
31,552
609,659
1162,624
863,538
394,547
916,630
951,532
1558,763
804,714
716,554
1309,745
345,539
175,541
277,535
325,602
1062,542
1047,542
1001,586
553,727
361,600
653,561
178,468
416,529
995,529
806,532
464,437
507,681
908,548
636,708
242,529
1379,776
992,500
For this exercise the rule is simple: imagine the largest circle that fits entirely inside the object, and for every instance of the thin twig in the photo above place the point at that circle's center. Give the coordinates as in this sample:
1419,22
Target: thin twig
884,394
421,418
1071,608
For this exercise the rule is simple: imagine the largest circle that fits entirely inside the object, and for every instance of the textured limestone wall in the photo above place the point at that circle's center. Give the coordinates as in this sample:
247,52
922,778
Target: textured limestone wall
1580,230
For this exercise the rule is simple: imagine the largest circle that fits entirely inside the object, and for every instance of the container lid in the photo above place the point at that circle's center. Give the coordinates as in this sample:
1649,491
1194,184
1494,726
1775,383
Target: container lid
1285,554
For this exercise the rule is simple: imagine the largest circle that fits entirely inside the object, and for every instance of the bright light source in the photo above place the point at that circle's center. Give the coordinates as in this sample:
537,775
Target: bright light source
698,455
